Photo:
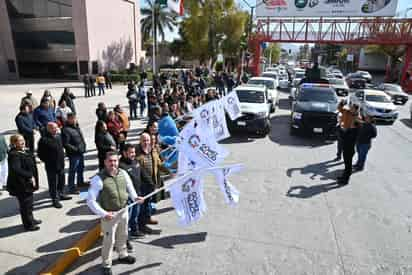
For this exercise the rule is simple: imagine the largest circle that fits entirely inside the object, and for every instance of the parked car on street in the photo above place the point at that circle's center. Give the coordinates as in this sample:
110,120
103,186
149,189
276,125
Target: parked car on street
340,86
375,103
395,92
271,85
314,110
365,75
255,108
271,74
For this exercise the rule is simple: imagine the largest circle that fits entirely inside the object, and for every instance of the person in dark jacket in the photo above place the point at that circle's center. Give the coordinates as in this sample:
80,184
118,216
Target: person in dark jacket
69,98
44,114
3,162
104,142
108,77
367,131
75,146
92,85
139,178
50,151
133,98
23,180
101,112
26,126
86,82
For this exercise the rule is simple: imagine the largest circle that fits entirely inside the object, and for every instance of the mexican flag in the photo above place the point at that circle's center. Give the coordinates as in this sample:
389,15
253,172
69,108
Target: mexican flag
174,5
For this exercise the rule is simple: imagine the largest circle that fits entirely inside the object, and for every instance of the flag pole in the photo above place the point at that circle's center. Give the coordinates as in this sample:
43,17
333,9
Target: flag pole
154,38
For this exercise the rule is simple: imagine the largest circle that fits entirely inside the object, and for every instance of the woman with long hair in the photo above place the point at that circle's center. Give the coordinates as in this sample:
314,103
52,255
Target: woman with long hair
23,180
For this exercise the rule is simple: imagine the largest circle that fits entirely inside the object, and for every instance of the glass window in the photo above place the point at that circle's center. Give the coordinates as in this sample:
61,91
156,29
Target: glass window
318,95
249,96
377,98
39,8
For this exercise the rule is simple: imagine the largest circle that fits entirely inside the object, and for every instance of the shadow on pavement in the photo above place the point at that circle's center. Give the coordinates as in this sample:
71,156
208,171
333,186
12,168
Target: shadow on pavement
280,134
82,210
407,122
140,268
11,231
91,167
90,157
284,104
60,244
78,226
35,266
305,192
239,137
169,242
9,206
164,210
321,169
9,132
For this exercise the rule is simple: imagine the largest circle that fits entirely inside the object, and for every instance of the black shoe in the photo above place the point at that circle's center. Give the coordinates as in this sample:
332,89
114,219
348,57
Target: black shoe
107,271
338,158
147,230
137,233
32,228
342,181
36,222
57,204
129,246
127,260
64,197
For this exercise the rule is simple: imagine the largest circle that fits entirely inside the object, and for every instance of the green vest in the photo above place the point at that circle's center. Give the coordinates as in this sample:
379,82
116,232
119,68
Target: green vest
113,196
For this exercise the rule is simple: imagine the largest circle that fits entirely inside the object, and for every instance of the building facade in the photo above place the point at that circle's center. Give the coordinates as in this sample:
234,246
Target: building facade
67,38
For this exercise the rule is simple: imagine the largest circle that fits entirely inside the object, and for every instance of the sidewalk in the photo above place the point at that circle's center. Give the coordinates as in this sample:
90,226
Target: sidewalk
30,252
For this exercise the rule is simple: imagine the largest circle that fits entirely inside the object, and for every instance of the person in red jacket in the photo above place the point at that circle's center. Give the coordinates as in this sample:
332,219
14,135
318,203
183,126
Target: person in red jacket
115,127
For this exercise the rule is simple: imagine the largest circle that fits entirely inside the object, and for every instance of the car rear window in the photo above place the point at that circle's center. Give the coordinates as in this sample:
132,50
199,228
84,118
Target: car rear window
250,96
267,83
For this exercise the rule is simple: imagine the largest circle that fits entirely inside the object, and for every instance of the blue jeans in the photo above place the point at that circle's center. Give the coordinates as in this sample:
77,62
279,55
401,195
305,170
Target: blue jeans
362,150
134,212
101,89
76,166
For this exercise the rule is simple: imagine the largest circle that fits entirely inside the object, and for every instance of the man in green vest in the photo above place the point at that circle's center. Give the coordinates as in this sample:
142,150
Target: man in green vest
107,198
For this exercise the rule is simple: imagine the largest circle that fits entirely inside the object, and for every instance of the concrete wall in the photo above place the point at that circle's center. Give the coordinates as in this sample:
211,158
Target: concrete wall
6,44
111,24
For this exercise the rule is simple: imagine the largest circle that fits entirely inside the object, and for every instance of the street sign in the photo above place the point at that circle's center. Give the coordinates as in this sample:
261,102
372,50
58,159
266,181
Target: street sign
325,8
349,58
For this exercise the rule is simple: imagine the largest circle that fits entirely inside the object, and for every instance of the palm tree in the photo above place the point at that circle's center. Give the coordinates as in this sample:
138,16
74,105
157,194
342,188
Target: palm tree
163,18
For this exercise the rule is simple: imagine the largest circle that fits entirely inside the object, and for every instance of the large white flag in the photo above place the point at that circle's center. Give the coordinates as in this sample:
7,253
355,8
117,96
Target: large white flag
230,192
176,5
187,198
212,114
232,105
197,142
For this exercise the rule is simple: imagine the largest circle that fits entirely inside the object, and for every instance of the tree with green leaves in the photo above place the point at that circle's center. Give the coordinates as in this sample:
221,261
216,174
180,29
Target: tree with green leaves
213,27
163,18
272,53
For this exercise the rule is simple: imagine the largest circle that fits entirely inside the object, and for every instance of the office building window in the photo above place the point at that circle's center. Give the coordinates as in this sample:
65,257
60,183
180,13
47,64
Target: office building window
12,66
95,67
84,67
39,8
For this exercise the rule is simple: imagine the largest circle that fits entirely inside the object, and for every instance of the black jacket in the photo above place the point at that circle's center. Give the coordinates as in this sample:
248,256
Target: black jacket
139,177
366,133
73,140
101,114
22,168
50,151
104,142
69,98
25,123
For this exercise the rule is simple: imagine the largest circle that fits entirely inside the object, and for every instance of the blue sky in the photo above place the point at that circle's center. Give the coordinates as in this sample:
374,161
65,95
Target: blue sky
402,6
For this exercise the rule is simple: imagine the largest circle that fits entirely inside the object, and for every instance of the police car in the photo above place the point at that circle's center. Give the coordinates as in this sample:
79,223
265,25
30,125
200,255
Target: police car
255,107
314,110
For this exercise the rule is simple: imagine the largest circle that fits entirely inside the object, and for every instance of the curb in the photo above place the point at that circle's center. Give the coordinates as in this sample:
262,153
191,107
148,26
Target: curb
73,253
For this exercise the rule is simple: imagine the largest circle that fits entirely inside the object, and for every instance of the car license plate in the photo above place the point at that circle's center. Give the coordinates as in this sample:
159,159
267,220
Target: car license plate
241,123
317,130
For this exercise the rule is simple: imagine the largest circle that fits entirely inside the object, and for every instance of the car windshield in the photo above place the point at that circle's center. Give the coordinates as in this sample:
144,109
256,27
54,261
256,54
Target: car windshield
317,94
250,96
300,75
377,98
393,88
336,81
273,76
267,83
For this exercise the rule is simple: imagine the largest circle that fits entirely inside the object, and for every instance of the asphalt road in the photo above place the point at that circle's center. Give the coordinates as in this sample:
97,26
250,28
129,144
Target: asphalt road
292,218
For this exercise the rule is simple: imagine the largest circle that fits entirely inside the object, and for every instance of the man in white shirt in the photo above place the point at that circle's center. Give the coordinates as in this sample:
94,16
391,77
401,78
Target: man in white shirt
107,198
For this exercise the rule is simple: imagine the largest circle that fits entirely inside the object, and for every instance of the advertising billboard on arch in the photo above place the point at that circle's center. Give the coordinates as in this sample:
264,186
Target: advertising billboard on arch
325,8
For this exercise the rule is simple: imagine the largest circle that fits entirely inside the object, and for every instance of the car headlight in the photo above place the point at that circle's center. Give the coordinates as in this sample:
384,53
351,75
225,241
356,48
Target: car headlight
370,108
297,115
262,114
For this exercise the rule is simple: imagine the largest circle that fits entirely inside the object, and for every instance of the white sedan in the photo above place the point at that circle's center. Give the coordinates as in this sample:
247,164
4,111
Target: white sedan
376,104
